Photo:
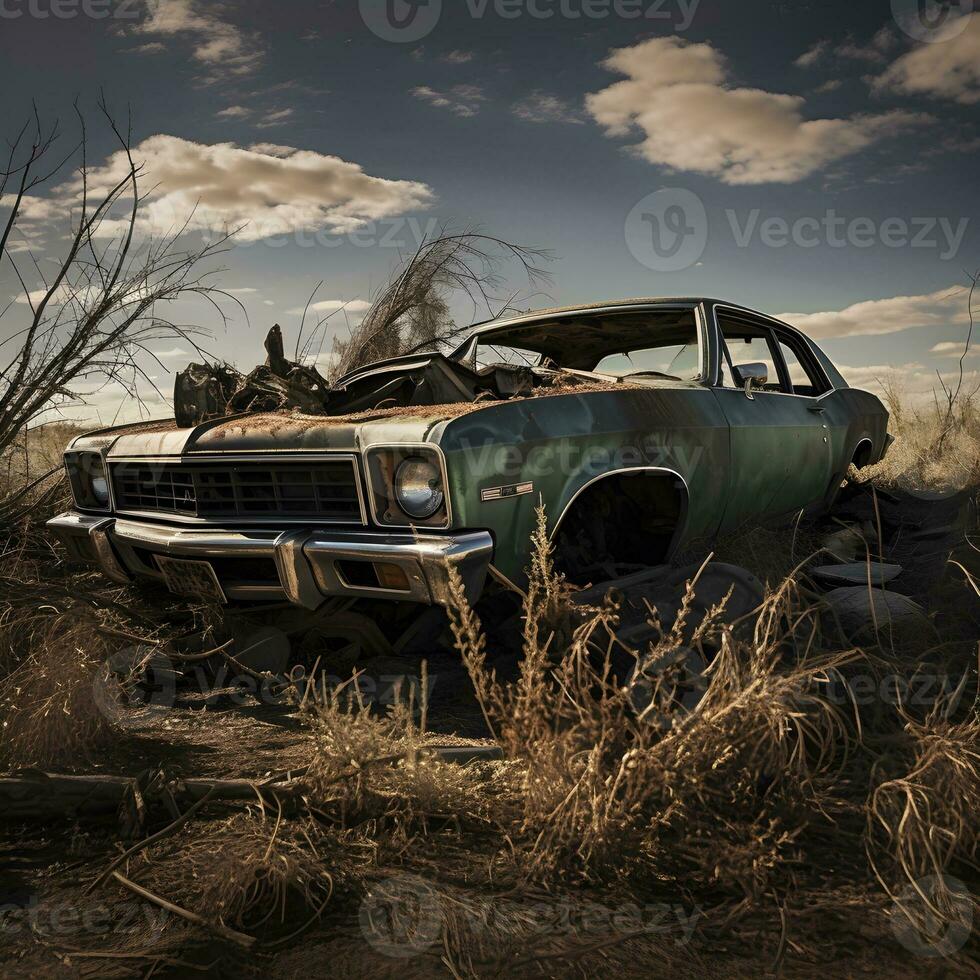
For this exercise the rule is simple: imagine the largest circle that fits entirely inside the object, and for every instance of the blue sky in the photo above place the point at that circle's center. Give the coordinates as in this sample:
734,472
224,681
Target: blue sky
814,159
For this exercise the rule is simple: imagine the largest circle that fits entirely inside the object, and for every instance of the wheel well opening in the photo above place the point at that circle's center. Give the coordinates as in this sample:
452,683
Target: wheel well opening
862,454
619,522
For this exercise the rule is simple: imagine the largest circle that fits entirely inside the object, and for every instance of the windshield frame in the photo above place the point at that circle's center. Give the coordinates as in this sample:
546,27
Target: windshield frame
465,352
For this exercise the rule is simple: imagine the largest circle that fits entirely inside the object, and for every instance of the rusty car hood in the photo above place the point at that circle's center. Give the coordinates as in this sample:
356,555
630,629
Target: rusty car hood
286,431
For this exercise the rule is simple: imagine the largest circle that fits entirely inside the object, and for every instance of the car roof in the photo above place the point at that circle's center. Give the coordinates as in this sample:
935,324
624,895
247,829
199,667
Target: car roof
532,316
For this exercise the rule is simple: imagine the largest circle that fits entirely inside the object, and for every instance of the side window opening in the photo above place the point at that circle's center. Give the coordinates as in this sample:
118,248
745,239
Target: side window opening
744,343
804,378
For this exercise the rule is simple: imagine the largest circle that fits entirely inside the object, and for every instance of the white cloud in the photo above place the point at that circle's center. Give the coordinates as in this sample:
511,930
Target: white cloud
541,107
352,306
79,296
870,376
241,290
222,186
172,353
812,55
916,382
463,100
874,51
273,149
458,57
277,117
952,348
33,209
678,94
35,296
217,44
153,47
947,69
234,112
942,308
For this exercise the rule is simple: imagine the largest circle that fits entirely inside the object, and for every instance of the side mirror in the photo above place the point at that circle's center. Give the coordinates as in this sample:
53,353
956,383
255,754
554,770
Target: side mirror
747,375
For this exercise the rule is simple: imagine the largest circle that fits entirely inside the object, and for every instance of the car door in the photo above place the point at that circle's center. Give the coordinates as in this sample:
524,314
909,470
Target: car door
779,440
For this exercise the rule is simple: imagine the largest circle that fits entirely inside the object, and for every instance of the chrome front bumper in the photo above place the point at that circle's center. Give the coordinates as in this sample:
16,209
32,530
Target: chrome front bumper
305,566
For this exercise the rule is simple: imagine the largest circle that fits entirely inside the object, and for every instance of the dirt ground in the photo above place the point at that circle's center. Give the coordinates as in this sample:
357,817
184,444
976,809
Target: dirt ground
432,888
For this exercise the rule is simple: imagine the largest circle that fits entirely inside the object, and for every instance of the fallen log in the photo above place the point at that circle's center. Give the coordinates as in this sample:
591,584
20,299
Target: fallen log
34,795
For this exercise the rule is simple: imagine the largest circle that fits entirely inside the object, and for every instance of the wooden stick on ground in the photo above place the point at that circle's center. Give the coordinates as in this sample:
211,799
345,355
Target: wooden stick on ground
216,927
152,839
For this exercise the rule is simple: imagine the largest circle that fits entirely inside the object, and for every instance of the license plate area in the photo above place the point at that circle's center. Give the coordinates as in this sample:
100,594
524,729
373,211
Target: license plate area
184,576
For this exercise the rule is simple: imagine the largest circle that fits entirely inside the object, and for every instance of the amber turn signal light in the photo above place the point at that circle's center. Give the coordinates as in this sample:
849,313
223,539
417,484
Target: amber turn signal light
391,577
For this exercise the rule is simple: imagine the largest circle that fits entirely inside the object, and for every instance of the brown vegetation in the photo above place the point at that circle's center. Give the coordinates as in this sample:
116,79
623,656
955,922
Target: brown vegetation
788,821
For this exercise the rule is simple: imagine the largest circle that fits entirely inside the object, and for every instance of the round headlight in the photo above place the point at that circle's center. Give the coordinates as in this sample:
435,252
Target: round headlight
100,490
418,487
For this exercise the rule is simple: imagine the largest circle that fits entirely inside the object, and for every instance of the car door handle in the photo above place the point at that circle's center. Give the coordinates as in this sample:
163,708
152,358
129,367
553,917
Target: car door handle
816,409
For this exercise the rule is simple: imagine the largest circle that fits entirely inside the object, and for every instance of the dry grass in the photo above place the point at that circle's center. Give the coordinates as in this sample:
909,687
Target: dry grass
748,801
936,448
253,871
35,453
611,790
47,705
922,821
371,774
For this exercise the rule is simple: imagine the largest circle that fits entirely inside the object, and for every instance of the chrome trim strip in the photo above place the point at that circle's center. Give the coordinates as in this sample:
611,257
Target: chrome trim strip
506,492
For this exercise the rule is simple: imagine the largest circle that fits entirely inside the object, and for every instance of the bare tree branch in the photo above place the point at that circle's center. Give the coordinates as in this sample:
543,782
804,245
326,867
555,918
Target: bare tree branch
411,313
98,311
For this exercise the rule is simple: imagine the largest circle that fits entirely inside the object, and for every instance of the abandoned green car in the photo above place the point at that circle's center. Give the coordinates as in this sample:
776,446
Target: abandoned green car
641,426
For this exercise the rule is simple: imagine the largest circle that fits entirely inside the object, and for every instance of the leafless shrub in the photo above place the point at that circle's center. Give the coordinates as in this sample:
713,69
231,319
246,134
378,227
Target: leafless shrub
100,304
411,313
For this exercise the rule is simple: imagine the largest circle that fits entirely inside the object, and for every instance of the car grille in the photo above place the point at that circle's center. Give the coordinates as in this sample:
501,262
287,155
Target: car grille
322,489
